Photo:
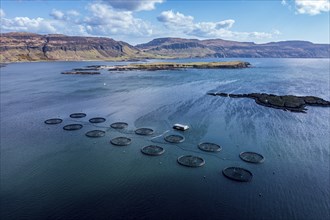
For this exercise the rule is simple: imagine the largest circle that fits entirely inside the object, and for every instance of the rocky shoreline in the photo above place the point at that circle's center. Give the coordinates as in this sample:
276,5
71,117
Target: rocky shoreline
287,102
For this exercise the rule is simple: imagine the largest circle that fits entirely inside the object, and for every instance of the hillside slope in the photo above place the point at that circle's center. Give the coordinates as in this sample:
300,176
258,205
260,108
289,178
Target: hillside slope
17,46
178,47
35,47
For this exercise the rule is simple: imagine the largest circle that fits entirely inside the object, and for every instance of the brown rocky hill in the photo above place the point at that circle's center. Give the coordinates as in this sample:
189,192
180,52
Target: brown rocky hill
35,47
178,47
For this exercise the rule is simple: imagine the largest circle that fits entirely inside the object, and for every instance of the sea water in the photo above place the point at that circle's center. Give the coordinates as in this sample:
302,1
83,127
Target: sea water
50,173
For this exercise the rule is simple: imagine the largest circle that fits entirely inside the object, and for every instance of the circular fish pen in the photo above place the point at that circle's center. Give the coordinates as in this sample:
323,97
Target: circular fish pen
78,115
97,120
95,133
152,150
174,138
53,121
120,141
144,131
251,157
209,147
191,161
72,127
238,174
119,125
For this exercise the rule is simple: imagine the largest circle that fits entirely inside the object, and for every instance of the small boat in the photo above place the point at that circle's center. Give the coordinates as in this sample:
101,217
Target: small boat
180,127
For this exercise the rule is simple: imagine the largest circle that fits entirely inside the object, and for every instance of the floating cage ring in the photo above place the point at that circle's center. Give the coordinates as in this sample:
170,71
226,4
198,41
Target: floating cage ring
174,138
95,133
209,147
78,115
238,174
191,161
97,120
53,121
121,141
72,127
144,131
153,150
251,157
119,125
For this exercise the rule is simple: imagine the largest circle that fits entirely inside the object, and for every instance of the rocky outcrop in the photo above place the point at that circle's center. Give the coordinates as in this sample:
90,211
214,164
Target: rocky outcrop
179,47
81,73
287,102
35,47
88,70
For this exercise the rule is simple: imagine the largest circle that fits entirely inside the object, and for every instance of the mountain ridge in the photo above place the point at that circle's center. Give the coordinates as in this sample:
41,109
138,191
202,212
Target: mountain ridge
23,46
19,46
225,48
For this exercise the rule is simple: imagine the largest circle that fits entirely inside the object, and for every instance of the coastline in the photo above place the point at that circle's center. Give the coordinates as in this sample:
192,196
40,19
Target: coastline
167,58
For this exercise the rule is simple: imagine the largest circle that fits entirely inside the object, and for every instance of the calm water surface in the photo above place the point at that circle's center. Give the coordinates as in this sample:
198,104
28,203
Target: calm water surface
49,173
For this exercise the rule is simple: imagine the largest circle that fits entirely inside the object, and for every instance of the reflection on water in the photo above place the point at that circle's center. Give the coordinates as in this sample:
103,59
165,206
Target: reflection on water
47,172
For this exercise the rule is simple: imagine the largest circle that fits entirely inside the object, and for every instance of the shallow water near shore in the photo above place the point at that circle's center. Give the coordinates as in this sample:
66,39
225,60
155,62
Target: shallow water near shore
50,173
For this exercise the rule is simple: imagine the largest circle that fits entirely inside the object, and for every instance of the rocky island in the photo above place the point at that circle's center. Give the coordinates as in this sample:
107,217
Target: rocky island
174,66
93,70
287,102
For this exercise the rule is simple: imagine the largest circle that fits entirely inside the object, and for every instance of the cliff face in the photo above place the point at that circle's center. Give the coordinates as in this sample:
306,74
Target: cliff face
176,47
34,47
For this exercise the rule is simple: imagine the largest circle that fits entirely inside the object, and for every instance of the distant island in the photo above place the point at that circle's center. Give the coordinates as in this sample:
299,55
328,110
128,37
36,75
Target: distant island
286,102
91,70
22,47
174,66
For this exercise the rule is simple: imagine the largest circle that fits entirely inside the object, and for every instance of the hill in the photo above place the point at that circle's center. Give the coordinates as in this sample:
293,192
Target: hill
19,46
35,47
178,47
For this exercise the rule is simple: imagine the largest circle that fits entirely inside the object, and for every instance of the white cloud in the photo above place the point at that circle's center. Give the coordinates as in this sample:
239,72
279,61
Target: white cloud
73,13
2,13
312,7
212,29
38,25
64,16
104,20
99,19
284,2
175,18
56,14
134,5
225,24
179,23
42,25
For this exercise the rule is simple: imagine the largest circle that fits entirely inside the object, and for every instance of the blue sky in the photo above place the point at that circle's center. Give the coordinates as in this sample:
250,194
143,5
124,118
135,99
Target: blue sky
138,21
